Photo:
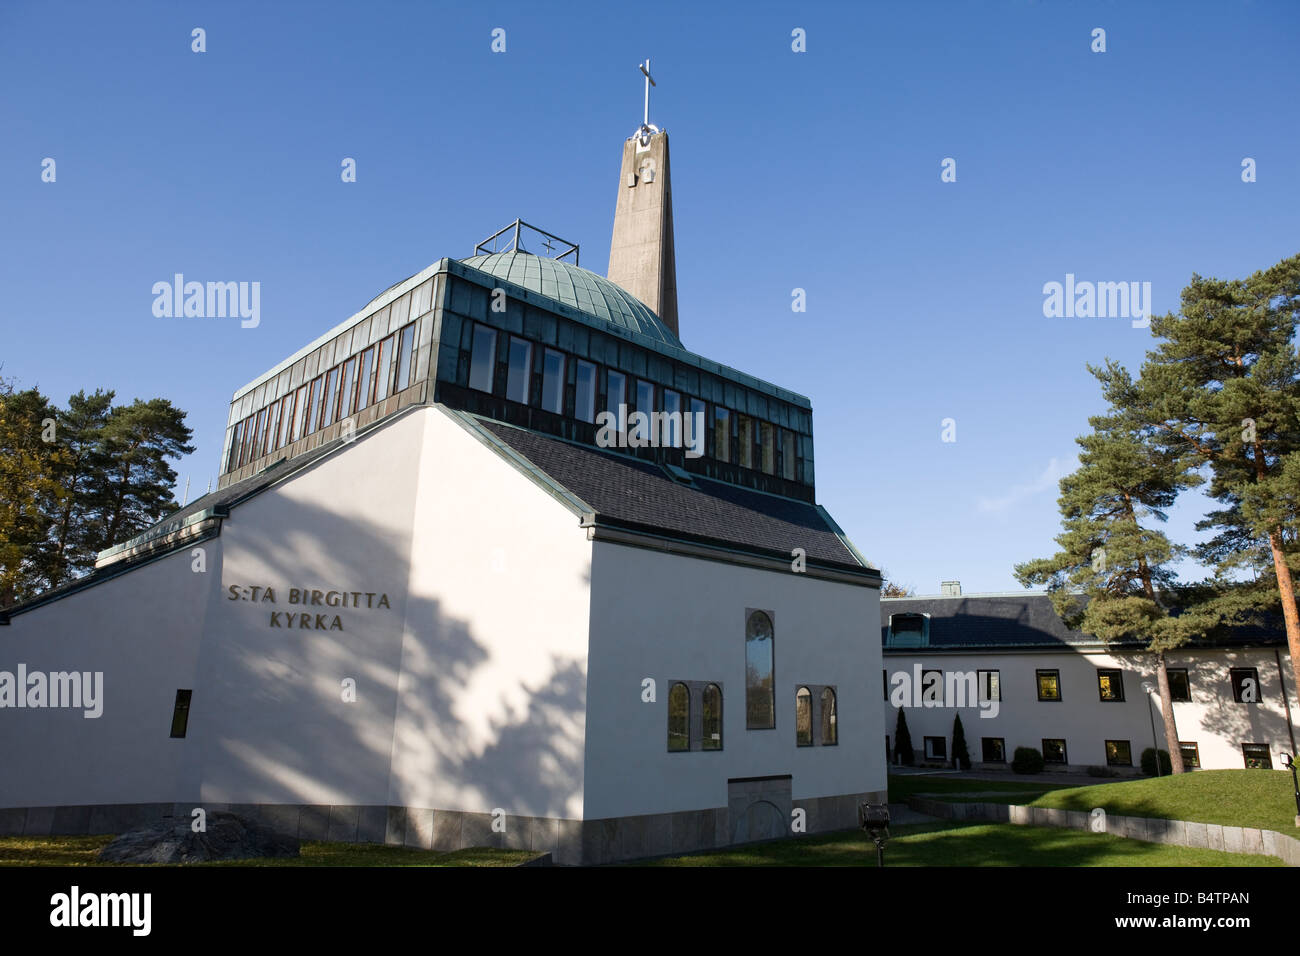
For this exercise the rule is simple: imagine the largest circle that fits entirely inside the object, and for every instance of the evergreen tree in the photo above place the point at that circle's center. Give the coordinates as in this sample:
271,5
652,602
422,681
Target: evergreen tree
1223,387
960,754
30,461
903,752
1109,576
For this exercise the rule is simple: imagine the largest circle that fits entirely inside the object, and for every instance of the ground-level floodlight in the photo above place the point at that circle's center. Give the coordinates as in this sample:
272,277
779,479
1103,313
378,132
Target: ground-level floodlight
1289,763
874,820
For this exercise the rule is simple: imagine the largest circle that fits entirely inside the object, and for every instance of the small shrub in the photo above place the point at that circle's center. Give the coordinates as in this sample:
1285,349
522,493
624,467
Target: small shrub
903,752
1027,760
960,755
1149,762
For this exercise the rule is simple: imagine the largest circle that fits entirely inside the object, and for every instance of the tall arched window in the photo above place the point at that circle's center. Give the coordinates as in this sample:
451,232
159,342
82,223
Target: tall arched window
760,688
803,735
828,718
679,717
712,713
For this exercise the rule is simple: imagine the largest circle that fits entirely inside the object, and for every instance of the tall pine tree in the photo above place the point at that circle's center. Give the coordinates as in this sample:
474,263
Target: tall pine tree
1113,565
1222,386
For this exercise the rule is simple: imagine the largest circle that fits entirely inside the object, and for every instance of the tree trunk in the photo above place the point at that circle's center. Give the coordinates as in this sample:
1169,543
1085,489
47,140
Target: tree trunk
1167,712
1162,673
1289,613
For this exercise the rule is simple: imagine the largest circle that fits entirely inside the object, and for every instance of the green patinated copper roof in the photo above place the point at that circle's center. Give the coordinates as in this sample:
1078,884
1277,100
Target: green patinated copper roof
578,288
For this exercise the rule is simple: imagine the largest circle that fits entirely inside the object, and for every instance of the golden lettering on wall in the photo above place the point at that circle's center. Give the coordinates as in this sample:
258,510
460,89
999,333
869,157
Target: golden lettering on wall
304,620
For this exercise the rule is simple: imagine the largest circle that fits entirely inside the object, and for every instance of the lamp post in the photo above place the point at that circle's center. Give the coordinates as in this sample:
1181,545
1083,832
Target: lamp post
1295,784
1150,690
873,818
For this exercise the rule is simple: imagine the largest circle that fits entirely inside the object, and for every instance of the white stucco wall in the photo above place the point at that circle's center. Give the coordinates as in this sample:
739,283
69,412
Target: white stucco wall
494,666
678,618
470,685
142,631
1212,719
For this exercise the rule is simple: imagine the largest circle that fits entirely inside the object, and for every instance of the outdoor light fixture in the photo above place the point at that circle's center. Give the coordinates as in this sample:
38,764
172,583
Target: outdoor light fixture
1150,689
874,820
1289,763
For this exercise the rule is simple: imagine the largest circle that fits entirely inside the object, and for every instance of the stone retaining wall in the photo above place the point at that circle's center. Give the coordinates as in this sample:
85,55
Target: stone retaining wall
1205,836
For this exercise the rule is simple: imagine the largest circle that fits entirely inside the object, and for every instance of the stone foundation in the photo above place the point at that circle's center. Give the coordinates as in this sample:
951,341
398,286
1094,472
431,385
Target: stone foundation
572,842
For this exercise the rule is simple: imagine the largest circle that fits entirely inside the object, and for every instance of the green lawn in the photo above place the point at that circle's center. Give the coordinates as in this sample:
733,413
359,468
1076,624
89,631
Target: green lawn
945,844
82,851
1241,798
902,786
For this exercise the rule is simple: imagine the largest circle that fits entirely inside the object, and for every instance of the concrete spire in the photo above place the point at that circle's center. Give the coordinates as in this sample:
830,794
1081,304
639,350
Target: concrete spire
641,257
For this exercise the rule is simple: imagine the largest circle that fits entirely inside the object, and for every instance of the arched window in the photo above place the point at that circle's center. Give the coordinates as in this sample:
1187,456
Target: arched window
679,717
828,718
760,688
712,712
803,735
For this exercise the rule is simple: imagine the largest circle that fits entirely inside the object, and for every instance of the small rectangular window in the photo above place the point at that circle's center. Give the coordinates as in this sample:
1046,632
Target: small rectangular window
936,748
1054,750
1191,754
232,456
347,390
1049,685
694,427
299,413
745,441
286,419
1110,684
553,381
721,434
365,374
521,366
405,352
483,358
384,368
259,436
789,470
313,422
181,713
1245,685
272,427
645,396
672,430
932,687
1119,753
1258,756
331,397
767,445
616,398
990,685
995,749
586,392
1180,688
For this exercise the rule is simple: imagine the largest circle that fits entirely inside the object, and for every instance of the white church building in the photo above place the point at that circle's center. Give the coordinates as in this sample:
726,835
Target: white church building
434,603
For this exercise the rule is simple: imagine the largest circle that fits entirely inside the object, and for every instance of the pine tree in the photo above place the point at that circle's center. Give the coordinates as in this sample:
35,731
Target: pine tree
1109,575
1223,387
903,752
29,465
960,754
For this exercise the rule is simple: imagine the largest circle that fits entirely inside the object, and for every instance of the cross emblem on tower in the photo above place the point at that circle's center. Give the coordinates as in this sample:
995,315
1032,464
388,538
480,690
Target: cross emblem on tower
646,129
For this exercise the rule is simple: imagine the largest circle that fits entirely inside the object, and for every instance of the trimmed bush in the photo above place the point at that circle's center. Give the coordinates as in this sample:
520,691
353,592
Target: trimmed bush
960,755
1027,760
1149,762
903,752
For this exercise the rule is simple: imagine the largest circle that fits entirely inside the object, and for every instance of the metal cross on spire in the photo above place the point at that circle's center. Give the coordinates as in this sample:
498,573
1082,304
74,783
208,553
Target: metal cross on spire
649,82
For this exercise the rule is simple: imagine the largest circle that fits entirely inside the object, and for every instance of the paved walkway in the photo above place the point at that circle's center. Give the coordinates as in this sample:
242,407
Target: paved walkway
1047,777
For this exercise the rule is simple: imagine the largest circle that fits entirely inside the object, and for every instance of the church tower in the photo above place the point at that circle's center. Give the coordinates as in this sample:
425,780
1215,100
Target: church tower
641,255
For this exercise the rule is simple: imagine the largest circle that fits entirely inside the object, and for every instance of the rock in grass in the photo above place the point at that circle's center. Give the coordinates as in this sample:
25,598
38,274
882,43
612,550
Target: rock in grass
227,837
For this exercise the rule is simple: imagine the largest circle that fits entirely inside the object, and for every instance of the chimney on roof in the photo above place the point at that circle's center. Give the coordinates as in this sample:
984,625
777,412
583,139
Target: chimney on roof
950,589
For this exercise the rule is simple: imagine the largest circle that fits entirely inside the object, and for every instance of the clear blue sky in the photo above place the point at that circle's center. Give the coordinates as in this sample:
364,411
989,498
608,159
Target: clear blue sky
816,170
